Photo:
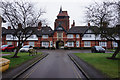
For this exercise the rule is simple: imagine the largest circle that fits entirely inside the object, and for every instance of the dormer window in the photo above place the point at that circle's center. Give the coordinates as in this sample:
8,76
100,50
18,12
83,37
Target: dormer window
8,36
89,31
59,28
44,36
32,36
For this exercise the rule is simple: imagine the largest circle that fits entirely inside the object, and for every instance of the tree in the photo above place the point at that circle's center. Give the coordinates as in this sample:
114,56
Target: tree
105,16
22,16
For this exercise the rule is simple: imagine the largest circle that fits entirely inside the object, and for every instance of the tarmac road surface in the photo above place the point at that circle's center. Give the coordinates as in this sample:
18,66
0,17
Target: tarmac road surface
56,65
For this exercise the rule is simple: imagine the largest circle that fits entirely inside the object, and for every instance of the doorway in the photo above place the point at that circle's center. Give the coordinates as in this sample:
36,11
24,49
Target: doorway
59,44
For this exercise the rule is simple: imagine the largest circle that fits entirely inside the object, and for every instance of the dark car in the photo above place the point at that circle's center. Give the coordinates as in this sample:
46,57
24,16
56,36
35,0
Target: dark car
97,49
7,48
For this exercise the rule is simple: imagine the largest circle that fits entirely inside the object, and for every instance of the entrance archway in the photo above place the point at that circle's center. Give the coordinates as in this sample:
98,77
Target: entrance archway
59,44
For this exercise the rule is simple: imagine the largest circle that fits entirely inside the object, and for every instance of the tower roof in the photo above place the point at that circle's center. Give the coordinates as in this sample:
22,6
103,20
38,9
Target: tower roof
62,13
60,10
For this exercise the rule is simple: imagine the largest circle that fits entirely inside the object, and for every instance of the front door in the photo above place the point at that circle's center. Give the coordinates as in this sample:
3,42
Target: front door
59,44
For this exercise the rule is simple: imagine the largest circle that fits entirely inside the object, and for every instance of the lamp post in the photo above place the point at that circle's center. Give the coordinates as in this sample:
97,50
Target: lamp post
0,30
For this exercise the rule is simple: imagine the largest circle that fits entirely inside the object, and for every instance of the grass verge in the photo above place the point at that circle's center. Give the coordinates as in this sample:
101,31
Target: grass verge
100,62
14,62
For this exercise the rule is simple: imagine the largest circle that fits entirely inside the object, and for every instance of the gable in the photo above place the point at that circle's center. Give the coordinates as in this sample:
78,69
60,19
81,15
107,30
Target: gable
89,31
59,28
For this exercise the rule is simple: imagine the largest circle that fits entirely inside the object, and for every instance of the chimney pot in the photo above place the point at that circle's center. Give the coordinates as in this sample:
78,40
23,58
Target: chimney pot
19,25
39,25
9,27
88,24
73,23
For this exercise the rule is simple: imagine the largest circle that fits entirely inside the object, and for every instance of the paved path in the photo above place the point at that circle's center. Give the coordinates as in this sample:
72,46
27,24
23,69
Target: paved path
4,55
56,65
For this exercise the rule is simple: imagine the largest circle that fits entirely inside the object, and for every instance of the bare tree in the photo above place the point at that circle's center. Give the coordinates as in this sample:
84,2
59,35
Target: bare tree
105,17
97,14
22,16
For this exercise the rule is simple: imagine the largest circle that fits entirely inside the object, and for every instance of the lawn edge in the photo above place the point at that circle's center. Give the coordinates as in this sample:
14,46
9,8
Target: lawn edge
88,69
15,72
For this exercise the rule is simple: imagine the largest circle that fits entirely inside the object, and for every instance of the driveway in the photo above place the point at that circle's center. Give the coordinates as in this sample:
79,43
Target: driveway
56,65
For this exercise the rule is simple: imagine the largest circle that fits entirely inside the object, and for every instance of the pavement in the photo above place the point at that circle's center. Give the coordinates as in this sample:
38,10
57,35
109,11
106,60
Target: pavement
56,65
4,55
10,73
89,70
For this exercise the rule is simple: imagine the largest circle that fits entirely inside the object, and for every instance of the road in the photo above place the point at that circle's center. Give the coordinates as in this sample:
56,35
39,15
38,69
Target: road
56,65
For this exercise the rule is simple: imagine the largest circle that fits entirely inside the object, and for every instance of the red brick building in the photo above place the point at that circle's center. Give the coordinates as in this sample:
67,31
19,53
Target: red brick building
61,37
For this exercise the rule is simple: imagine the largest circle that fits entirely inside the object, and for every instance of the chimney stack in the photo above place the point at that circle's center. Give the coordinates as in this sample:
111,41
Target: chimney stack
105,24
88,24
19,25
39,25
73,23
9,27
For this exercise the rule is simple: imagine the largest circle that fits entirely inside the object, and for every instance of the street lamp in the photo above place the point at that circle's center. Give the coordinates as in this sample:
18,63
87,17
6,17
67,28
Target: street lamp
0,29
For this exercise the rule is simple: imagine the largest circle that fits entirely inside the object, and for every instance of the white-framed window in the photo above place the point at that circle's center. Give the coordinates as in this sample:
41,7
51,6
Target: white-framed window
77,35
45,44
51,44
77,43
103,44
87,44
70,44
9,43
31,43
70,36
44,36
114,44
59,35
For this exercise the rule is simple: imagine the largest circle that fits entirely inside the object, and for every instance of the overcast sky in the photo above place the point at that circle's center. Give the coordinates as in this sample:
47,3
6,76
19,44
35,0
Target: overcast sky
75,9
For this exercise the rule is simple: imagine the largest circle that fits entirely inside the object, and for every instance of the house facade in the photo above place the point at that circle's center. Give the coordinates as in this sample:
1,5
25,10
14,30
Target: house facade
61,37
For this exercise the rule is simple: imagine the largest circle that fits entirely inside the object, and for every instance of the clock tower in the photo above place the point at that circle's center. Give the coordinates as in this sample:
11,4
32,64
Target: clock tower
62,19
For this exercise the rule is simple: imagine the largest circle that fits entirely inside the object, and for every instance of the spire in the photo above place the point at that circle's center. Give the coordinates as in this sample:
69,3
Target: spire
60,10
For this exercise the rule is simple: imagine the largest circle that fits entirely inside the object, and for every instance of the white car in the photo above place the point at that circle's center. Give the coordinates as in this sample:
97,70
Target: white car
25,48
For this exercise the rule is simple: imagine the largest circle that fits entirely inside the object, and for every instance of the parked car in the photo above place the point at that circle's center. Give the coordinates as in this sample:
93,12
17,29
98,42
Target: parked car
97,49
25,48
7,48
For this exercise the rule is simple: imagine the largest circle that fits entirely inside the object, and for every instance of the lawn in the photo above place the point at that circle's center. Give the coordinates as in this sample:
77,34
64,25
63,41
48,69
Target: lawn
14,62
100,62
113,50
